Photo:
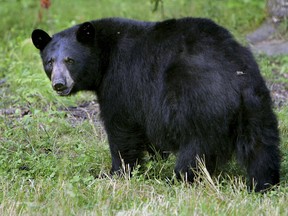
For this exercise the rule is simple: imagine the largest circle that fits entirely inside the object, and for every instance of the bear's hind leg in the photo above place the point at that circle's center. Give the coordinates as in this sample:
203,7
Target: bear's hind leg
188,162
127,148
263,168
258,139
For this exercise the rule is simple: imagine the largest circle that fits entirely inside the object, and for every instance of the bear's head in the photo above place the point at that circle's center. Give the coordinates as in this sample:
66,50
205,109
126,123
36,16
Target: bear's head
69,58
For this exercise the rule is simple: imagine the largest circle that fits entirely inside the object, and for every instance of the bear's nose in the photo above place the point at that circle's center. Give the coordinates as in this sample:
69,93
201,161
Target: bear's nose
59,86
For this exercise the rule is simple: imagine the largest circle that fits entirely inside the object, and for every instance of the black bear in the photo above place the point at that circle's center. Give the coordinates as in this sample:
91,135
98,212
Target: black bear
180,85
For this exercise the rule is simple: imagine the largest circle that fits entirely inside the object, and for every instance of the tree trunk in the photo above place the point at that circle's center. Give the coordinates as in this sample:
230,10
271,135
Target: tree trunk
277,9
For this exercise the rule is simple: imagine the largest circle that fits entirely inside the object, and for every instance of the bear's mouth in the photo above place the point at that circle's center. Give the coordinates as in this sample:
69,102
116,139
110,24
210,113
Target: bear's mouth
65,92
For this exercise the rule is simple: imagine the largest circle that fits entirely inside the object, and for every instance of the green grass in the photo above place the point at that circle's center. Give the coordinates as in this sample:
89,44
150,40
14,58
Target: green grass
48,164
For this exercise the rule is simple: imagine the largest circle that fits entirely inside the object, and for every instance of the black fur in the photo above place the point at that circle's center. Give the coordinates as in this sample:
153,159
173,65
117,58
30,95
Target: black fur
183,85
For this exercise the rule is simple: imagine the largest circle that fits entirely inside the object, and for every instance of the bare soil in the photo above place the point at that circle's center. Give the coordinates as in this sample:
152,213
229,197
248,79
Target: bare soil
269,39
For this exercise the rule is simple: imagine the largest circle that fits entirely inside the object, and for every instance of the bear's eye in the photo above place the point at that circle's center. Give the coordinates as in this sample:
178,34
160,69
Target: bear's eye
49,63
69,60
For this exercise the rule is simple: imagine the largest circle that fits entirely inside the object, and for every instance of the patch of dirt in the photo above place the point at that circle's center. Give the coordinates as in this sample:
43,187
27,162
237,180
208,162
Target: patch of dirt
271,47
279,94
268,39
86,111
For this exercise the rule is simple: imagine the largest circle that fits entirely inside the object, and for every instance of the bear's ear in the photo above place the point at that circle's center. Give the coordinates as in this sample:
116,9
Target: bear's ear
86,33
40,39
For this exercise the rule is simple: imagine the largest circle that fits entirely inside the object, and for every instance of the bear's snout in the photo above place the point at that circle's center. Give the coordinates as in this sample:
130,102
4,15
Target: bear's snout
59,85
61,80
62,87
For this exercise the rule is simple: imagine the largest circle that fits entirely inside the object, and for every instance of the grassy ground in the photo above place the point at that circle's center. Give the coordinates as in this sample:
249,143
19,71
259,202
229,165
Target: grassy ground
49,157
